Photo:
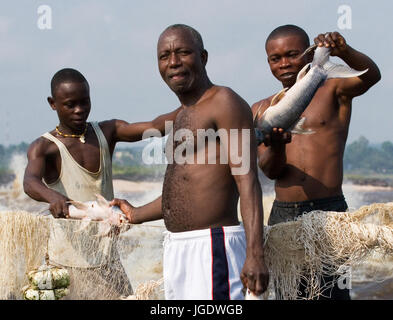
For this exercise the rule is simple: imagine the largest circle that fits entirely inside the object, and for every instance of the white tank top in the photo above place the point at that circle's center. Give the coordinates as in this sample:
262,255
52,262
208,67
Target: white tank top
65,246
76,182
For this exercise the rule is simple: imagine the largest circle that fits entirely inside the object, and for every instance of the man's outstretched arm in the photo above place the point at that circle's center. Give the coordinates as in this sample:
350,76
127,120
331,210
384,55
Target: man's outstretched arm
131,132
149,212
350,87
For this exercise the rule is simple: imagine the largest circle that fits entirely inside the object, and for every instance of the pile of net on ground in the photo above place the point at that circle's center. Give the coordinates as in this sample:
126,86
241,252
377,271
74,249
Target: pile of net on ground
93,263
315,244
326,243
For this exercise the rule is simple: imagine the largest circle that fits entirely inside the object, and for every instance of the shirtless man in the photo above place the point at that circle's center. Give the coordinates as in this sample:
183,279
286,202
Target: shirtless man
73,162
207,254
308,169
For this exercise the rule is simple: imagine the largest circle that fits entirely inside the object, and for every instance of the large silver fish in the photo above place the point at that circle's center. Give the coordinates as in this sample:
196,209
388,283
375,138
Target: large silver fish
288,105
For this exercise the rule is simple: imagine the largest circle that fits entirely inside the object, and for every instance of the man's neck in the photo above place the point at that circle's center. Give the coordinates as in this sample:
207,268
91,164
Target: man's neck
68,131
191,98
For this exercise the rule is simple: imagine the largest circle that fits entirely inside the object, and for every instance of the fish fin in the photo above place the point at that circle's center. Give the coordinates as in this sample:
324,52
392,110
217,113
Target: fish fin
341,71
102,202
278,96
303,72
297,128
309,49
79,205
84,223
103,228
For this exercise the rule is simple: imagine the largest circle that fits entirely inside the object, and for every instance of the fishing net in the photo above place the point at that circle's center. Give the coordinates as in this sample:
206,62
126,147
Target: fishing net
316,244
325,243
93,262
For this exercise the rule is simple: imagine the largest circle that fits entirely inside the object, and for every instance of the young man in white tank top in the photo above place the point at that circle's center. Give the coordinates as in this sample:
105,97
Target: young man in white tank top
73,161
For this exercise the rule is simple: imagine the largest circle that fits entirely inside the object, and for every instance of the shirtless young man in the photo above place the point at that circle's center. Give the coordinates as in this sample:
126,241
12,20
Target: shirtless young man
73,162
207,254
308,169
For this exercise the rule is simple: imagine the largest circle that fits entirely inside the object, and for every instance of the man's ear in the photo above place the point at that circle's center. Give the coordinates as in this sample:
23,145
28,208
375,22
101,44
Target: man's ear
204,56
51,102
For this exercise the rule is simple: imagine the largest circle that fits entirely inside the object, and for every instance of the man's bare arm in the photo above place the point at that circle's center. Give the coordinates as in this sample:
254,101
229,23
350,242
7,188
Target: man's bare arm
34,186
130,132
271,153
350,87
149,212
236,114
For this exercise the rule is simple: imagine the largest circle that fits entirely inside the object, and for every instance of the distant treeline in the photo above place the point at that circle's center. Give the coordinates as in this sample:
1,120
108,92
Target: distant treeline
362,161
361,157
369,164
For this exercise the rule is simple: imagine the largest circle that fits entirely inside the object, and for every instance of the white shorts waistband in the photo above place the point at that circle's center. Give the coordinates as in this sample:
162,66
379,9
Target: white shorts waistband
202,233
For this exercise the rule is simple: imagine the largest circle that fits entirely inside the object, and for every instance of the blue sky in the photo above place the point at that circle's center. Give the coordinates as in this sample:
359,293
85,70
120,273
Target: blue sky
113,43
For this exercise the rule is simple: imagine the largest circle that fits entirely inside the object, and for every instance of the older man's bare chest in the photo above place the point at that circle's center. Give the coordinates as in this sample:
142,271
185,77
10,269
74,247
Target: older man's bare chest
191,124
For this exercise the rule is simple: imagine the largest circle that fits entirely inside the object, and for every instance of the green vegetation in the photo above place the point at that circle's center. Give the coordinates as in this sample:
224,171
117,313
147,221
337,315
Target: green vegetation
364,163
369,164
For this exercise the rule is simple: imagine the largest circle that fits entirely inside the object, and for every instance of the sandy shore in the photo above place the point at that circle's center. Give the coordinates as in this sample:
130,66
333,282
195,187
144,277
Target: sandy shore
366,188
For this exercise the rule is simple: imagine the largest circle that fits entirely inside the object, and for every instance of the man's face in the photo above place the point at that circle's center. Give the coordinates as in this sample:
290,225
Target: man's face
181,63
71,100
283,58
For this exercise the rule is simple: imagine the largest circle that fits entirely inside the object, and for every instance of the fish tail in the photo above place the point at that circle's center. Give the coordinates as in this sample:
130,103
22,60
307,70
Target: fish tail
341,71
333,70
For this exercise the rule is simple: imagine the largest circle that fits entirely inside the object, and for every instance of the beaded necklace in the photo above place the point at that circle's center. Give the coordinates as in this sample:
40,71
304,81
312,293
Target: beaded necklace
80,136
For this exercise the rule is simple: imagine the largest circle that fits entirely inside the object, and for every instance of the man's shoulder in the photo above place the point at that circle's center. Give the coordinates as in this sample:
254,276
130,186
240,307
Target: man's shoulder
228,98
262,104
105,124
108,126
41,145
225,92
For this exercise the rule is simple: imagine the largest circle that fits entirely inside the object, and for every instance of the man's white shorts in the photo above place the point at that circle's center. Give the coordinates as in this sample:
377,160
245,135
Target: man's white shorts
204,264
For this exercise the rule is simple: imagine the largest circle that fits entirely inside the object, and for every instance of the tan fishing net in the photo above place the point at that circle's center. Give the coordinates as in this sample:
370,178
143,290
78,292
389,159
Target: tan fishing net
93,263
315,244
327,243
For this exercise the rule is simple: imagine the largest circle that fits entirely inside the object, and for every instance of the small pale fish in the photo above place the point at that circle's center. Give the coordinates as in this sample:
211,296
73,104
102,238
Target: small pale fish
97,211
288,105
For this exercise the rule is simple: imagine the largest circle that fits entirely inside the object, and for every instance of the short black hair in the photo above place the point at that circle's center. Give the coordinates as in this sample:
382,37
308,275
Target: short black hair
288,30
196,36
66,75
